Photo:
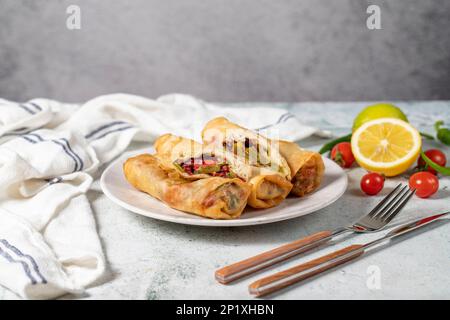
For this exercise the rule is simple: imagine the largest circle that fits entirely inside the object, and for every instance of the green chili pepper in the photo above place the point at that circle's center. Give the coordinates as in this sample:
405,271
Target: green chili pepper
426,136
330,145
443,170
443,134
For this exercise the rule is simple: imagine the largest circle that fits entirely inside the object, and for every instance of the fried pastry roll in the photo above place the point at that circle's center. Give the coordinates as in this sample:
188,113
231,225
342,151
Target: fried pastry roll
307,167
268,191
267,188
213,197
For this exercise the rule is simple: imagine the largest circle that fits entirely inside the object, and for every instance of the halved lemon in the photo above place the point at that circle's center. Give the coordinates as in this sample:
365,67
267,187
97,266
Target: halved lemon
388,146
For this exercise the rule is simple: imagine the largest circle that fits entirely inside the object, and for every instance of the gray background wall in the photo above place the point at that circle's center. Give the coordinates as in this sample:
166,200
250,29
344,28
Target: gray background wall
226,50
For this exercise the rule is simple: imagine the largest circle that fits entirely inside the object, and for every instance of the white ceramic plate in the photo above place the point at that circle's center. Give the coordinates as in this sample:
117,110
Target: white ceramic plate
116,188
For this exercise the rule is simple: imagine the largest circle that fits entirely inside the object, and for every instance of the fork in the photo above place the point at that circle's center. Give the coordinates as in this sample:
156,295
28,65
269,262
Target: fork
374,221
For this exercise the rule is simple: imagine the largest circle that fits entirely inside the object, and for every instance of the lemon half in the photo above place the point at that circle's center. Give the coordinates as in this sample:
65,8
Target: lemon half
388,146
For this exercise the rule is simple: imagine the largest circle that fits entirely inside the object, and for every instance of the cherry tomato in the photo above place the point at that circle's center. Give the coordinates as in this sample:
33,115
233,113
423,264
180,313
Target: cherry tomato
342,154
372,183
425,183
437,156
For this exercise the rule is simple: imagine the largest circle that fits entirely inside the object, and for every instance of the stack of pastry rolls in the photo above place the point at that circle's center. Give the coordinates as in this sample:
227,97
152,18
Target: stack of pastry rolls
232,167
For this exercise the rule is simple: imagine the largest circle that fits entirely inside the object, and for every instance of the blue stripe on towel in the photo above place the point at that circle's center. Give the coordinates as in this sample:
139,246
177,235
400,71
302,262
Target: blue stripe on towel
112,131
25,266
27,256
37,136
103,127
73,152
24,107
65,145
288,117
35,105
26,137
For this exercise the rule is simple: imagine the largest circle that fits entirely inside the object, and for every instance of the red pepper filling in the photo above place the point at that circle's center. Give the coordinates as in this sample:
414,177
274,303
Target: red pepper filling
206,164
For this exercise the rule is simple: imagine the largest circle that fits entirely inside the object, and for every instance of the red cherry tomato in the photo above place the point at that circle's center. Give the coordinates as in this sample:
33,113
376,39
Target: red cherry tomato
425,183
435,155
342,154
372,183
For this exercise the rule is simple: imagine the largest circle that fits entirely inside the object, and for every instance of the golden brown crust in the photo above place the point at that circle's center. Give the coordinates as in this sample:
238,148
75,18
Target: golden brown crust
268,191
307,168
215,126
172,147
208,197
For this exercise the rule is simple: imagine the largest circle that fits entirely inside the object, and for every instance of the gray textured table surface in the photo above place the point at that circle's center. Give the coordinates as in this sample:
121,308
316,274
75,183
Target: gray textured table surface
150,259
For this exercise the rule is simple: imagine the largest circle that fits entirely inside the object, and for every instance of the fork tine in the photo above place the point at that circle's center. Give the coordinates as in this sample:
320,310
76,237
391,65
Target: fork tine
391,215
395,202
387,198
392,204
389,203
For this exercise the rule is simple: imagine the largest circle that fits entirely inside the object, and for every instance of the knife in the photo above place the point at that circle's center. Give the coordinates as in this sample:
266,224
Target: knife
308,269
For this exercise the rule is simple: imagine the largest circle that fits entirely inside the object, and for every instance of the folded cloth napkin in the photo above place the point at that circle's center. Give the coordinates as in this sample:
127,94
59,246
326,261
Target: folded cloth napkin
48,152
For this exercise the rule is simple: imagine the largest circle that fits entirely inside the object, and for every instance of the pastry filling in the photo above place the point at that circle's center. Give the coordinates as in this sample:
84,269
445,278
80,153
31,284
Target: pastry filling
205,164
230,193
253,153
268,190
304,180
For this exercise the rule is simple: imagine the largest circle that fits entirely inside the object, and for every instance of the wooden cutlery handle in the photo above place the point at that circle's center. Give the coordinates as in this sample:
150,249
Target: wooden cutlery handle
303,271
265,259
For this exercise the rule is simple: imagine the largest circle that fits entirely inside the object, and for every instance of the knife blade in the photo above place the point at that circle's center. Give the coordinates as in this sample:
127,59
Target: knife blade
408,227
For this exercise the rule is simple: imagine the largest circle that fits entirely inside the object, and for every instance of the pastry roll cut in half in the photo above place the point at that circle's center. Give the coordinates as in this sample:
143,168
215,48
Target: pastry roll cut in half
307,167
250,146
268,191
268,188
212,197
194,161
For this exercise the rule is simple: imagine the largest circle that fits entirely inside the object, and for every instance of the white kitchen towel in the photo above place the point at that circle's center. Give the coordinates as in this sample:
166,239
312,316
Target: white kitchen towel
48,152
